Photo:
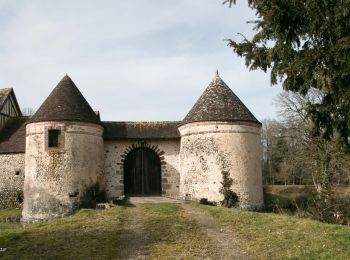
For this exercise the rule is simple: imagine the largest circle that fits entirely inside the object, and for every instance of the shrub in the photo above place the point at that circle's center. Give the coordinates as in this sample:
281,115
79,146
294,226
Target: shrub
19,197
205,201
333,209
278,203
92,196
230,197
324,207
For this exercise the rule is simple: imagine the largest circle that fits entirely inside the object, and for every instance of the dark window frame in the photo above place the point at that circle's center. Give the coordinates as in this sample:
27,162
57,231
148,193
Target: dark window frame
53,138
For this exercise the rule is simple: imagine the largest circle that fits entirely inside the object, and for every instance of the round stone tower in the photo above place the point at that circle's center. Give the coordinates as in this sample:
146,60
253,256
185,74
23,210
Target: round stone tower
64,155
219,135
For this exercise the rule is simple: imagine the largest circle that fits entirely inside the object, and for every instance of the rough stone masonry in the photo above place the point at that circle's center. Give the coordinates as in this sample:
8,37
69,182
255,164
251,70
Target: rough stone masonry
53,162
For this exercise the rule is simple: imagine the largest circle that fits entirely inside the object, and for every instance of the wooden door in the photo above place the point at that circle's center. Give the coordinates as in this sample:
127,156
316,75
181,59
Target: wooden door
142,173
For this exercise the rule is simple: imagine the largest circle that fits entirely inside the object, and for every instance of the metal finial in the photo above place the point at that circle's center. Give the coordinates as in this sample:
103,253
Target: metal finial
216,73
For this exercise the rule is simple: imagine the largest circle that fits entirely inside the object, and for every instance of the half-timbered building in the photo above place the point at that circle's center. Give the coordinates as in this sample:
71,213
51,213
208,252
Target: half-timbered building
8,105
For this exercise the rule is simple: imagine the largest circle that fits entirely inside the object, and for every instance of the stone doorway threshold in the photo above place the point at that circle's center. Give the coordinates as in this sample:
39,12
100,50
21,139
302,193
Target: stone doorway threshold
152,199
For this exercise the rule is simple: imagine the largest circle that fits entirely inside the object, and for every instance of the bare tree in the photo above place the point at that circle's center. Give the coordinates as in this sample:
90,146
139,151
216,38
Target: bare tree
270,133
314,156
28,111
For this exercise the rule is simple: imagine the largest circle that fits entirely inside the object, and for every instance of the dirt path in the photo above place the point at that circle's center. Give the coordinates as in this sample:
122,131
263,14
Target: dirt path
226,245
136,242
134,239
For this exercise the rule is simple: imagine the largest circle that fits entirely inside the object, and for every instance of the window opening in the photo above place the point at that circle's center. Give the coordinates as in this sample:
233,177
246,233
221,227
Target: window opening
54,136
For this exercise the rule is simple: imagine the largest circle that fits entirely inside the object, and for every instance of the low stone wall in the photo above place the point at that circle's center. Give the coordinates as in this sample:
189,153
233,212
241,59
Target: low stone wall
11,180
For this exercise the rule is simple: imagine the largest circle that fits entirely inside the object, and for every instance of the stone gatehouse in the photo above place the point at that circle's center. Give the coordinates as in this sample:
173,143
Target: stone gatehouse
49,161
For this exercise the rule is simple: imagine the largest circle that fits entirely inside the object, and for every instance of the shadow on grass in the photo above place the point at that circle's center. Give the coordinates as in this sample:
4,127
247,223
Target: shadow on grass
124,202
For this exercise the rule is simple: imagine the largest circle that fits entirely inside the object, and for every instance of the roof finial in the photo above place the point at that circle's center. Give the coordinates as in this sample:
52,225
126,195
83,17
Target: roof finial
216,75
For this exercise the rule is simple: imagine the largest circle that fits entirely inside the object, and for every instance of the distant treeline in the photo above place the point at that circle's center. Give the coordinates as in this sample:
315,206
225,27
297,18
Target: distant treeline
294,154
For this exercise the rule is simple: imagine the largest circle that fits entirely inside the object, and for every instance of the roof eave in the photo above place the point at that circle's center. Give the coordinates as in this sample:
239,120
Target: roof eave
65,120
221,120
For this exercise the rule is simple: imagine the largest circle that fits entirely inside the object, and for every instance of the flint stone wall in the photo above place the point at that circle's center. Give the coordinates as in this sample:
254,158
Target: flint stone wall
209,148
56,178
11,180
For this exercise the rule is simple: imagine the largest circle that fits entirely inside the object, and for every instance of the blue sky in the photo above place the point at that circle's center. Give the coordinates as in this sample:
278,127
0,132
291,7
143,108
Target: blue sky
132,60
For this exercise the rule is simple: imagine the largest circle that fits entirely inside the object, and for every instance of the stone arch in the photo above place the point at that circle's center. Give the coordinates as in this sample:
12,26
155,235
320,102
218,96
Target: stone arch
143,144
142,173
154,148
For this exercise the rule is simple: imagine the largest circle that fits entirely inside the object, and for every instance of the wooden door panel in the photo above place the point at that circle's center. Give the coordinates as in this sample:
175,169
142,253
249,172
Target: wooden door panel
142,173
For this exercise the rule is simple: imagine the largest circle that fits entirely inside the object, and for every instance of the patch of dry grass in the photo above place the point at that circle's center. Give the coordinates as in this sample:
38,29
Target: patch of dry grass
89,233
274,236
173,233
97,234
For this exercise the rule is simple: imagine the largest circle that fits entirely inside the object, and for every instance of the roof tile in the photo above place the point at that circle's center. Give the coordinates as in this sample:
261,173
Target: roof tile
219,103
13,135
141,130
65,103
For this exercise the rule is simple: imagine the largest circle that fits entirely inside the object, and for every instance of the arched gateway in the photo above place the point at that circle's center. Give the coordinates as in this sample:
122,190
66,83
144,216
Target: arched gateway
65,150
142,173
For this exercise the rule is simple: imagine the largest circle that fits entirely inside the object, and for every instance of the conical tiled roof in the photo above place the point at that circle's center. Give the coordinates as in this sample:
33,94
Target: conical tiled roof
65,103
219,103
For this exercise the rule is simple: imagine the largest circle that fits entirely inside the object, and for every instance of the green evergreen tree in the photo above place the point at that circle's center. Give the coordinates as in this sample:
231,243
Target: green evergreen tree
305,44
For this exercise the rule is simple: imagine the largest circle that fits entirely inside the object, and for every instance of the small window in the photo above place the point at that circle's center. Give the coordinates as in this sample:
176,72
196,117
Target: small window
54,137
18,172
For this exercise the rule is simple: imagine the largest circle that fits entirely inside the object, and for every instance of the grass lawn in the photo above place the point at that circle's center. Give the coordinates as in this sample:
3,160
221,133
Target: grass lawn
274,236
10,213
173,233
87,233
5,213
98,234
166,231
